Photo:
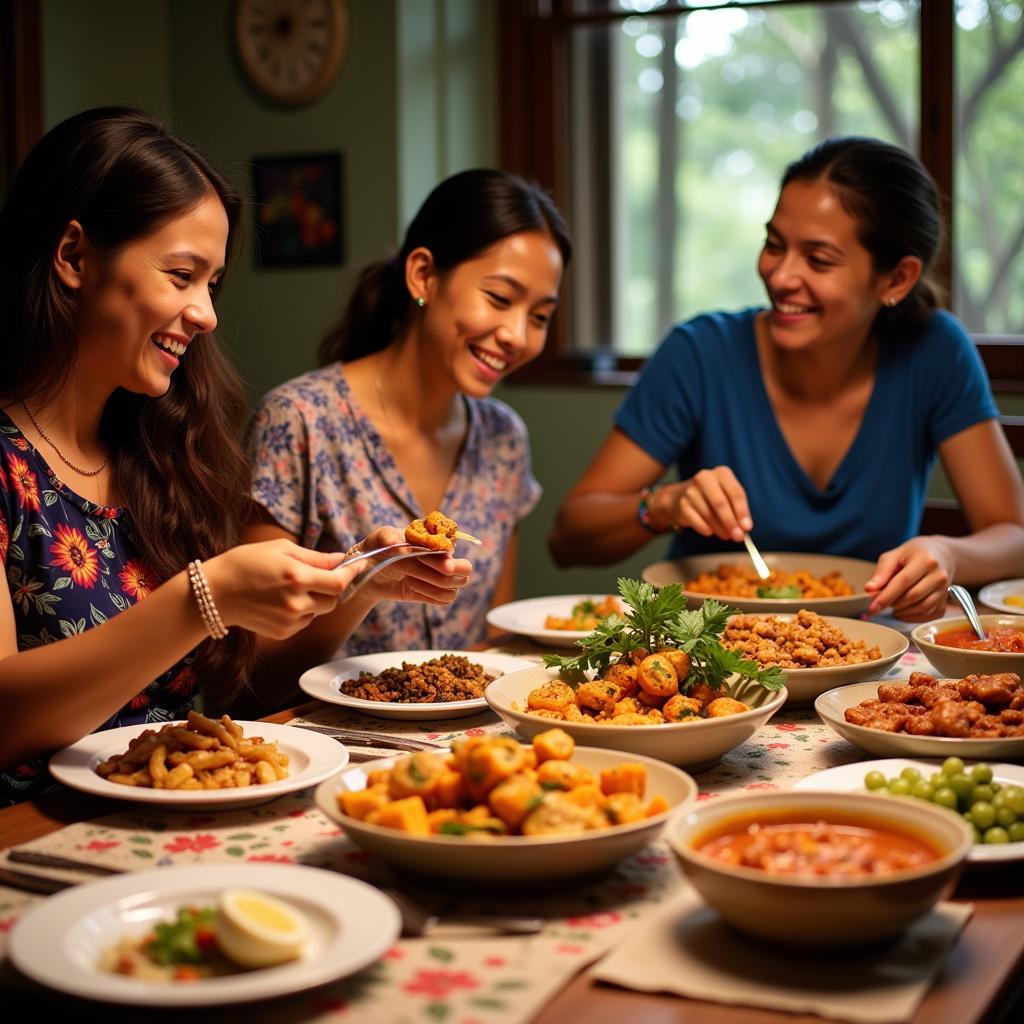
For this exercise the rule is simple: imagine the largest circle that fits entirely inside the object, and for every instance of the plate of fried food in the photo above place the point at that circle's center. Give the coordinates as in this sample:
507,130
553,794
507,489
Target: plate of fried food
428,685
200,763
826,584
816,652
495,810
204,935
555,621
979,716
657,681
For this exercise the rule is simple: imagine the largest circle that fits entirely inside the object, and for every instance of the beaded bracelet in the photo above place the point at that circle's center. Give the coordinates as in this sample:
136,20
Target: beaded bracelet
643,511
204,599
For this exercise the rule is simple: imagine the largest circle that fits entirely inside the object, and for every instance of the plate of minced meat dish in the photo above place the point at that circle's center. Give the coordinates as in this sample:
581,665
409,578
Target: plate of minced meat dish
411,684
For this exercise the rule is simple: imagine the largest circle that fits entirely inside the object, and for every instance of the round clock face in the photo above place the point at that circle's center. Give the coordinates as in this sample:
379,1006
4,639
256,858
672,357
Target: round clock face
291,49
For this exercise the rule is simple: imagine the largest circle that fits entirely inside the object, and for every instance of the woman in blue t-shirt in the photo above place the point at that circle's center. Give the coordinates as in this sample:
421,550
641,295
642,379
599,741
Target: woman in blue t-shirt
814,424
120,470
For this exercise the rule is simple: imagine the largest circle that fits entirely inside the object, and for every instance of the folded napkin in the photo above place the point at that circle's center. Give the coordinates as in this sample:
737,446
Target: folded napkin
688,950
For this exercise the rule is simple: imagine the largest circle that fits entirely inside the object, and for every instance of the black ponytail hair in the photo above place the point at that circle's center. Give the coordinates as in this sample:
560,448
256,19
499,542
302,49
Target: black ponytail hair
464,215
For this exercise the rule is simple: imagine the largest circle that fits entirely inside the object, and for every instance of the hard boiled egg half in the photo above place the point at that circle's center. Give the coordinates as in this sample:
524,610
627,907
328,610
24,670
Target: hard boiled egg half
255,929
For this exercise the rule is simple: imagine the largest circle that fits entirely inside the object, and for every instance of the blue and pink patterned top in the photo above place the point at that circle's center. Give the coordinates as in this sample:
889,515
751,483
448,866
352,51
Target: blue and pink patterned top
70,565
325,475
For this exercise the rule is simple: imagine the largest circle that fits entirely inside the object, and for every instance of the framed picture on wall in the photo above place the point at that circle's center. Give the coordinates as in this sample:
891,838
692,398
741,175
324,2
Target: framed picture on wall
298,210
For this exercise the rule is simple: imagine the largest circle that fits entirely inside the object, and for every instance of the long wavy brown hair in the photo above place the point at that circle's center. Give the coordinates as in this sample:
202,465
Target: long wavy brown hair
176,461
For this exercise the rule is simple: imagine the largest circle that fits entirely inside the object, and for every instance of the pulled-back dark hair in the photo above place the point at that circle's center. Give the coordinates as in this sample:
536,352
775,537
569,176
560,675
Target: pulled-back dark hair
176,462
896,206
464,215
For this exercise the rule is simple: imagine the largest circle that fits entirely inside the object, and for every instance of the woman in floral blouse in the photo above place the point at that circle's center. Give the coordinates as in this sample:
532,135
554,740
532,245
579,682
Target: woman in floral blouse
118,457
398,421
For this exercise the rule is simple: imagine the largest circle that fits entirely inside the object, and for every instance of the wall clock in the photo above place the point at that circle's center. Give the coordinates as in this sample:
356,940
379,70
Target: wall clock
291,50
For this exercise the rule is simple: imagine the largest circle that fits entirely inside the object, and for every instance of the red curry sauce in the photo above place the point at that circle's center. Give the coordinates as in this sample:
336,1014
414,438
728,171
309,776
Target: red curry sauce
1008,639
791,846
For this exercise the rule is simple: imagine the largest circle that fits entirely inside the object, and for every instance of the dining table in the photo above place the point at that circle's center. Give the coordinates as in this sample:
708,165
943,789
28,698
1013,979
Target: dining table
545,979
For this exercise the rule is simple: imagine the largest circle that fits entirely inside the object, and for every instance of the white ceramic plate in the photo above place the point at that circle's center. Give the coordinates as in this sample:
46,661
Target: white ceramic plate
527,618
832,705
311,758
849,778
855,571
324,683
59,942
694,745
804,684
514,858
995,595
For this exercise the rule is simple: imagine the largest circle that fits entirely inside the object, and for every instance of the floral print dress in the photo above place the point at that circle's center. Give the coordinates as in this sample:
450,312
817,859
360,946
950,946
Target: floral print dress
70,565
325,475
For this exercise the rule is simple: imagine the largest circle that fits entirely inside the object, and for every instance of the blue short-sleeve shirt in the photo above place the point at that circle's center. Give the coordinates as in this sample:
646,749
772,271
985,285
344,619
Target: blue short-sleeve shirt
700,402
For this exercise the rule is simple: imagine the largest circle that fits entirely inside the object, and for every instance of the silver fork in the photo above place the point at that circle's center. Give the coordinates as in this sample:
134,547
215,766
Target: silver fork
962,598
417,550
360,581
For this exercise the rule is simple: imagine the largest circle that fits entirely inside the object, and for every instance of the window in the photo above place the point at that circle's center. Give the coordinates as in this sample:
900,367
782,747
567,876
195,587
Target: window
664,127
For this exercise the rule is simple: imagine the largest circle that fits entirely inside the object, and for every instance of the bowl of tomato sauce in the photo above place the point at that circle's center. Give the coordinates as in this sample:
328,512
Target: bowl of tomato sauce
955,651
820,869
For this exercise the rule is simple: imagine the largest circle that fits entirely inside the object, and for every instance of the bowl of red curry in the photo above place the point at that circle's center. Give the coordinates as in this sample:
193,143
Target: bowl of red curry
955,651
822,869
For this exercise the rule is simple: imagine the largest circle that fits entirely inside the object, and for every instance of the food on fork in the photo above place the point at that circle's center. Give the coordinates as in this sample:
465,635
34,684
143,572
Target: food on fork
436,532
202,753
585,614
494,786
730,580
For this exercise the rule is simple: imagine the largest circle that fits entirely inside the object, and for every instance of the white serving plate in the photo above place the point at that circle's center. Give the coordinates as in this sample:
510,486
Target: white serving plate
59,942
311,758
527,618
324,683
855,571
995,595
694,745
849,778
832,705
513,858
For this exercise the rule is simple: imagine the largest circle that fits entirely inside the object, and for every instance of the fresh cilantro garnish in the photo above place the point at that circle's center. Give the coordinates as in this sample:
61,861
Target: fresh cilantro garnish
658,619
586,607
788,593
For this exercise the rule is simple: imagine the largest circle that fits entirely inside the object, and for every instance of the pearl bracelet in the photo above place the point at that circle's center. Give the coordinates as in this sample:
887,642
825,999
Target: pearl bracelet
204,599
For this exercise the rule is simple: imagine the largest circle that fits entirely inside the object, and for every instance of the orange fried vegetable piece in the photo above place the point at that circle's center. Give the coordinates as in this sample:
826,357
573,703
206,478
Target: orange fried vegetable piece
436,532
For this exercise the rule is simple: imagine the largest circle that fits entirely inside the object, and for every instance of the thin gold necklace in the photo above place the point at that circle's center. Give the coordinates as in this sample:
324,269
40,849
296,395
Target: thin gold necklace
63,458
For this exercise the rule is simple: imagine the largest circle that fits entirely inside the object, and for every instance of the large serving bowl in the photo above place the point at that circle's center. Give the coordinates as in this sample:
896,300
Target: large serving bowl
513,858
804,684
817,910
955,662
695,745
855,571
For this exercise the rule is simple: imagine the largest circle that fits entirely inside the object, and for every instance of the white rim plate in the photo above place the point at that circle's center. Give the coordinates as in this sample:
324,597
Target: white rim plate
312,757
995,595
58,943
526,618
849,778
324,682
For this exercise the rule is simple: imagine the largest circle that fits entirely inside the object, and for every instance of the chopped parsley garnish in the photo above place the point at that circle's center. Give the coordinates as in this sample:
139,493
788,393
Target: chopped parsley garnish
789,593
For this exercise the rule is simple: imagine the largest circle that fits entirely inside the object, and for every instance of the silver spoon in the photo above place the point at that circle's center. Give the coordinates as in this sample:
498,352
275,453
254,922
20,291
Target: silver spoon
962,598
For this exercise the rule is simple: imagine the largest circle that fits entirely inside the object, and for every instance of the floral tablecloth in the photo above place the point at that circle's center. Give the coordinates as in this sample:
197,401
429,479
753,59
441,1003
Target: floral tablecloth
458,980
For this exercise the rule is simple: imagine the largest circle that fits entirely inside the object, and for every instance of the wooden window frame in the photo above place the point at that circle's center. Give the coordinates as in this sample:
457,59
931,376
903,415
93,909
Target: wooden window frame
533,42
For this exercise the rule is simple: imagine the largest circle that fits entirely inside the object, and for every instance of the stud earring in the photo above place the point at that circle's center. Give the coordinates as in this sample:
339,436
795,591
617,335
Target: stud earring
421,302
891,301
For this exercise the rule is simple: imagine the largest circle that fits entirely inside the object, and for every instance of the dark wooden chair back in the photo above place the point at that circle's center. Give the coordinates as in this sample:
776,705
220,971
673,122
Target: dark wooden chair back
1004,361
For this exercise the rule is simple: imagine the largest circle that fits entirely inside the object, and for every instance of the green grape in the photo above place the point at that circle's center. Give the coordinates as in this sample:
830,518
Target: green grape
912,775
945,797
983,814
995,835
1016,832
974,830
875,780
922,790
981,773
961,785
952,766
982,794
899,787
937,779
1014,798
996,786
1005,817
